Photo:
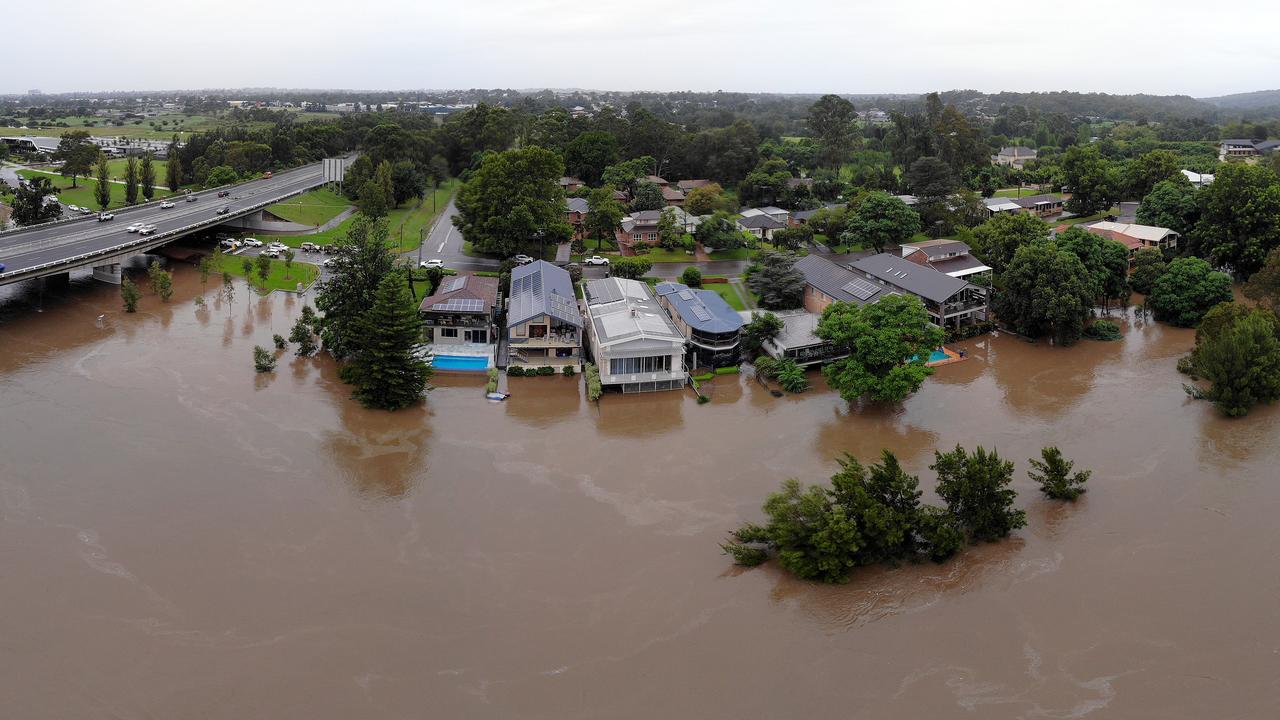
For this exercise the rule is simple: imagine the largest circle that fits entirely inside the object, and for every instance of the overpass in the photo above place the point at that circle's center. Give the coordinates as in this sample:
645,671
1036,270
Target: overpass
59,247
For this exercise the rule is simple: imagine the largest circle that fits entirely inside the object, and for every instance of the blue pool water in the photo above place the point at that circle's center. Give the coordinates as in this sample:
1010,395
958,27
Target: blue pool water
461,363
934,356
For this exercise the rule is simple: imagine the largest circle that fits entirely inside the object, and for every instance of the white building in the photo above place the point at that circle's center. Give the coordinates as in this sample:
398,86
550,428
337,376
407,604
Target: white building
634,343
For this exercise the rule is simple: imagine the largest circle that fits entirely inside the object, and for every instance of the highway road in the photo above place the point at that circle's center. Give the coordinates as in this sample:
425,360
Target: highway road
28,248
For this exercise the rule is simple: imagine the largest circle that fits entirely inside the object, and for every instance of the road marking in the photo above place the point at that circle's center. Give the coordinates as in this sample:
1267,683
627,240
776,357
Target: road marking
445,241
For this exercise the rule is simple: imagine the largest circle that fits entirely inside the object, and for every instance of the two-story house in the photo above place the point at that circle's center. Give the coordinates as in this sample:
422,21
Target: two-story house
544,326
575,213
708,323
1013,156
634,344
950,301
461,311
951,257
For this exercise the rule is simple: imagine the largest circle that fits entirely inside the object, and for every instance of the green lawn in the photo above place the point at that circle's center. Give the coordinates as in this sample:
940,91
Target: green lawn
1025,192
85,194
168,125
726,291
313,208
301,272
662,255
734,254
116,167
403,223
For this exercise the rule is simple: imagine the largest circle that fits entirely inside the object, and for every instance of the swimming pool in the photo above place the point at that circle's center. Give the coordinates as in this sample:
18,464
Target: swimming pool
937,355
461,363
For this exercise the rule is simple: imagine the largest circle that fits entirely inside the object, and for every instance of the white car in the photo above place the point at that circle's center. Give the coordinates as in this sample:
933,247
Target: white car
166,205
522,259
433,263
105,216
86,211
270,252
74,208
278,246
328,261
595,260
252,242
146,229
310,247
134,227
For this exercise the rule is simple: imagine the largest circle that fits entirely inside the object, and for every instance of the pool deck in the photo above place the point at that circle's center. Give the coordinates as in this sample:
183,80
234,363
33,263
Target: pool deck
463,350
952,357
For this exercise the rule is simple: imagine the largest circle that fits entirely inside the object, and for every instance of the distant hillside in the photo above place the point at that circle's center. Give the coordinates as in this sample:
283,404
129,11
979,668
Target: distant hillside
1247,101
1076,104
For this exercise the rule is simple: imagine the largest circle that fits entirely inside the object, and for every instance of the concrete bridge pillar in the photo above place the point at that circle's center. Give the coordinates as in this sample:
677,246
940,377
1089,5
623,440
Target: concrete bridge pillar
109,273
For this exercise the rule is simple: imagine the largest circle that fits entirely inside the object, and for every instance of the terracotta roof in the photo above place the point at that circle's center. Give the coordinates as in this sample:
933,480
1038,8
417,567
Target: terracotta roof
462,288
687,185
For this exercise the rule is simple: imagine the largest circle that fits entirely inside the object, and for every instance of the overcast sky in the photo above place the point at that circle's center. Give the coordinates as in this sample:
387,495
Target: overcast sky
1118,46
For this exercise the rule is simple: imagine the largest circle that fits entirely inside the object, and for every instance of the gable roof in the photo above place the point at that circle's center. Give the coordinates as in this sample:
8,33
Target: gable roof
688,185
761,221
1131,235
541,288
463,293
936,248
642,218
670,193
1031,201
655,180
1017,151
577,204
702,310
796,182
838,282
903,274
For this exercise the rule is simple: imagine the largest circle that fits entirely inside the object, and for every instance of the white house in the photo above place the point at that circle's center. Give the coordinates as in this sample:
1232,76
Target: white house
635,345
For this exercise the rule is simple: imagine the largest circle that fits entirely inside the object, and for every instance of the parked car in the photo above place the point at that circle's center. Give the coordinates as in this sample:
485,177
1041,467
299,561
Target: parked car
522,259
230,243
309,247
134,227
277,245
86,211
432,263
252,242
224,210
595,260
270,252
328,261
192,198
74,208
166,205
224,193
147,229
105,216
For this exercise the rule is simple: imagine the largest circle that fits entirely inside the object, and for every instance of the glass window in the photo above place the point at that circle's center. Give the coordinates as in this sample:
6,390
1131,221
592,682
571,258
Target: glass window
449,332
537,331
631,366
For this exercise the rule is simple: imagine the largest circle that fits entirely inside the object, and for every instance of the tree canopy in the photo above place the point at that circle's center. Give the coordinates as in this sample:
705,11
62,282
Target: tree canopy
512,199
1186,290
1046,291
776,281
887,342
879,221
1238,351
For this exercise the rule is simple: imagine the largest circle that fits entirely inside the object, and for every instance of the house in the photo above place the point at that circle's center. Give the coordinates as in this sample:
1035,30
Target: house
999,205
461,311
950,301
826,282
544,326
639,227
798,339
796,182
1246,149
710,326
673,196
776,213
908,200
688,185
761,225
655,180
576,210
1014,156
635,345
950,257
570,184
1041,205
1134,236
1199,180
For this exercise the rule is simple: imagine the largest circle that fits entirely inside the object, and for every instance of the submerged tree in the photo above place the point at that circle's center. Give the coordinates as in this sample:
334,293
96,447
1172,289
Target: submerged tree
129,294
885,342
976,490
1053,473
263,360
385,366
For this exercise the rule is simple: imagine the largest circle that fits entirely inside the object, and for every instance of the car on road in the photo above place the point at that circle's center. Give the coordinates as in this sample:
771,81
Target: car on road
267,174
522,259
74,208
224,210
192,198
1,267
310,247
224,193
166,205
327,262
146,229
105,216
595,260
252,242
134,227
432,263
86,211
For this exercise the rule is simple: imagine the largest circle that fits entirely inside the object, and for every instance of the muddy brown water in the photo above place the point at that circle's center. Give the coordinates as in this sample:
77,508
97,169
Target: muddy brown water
183,538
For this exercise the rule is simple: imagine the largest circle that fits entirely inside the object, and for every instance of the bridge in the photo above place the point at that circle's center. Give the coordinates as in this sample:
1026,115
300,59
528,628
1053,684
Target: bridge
82,241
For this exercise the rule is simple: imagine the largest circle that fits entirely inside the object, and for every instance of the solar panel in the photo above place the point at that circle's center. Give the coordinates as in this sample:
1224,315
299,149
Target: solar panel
701,313
686,295
603,291
456,283
860,288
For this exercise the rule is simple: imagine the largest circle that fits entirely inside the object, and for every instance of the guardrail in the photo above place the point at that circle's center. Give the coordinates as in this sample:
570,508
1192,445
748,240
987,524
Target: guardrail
133,245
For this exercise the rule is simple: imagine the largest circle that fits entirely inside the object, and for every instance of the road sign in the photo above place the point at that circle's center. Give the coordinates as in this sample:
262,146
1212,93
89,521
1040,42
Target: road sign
334,169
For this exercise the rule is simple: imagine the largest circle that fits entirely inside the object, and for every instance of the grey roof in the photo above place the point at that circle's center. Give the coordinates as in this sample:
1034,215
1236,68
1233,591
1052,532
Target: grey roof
702,310
577,204
838,282
921,280
763,222
541,288
939,248
641,218
1017,151
1032,200
624,311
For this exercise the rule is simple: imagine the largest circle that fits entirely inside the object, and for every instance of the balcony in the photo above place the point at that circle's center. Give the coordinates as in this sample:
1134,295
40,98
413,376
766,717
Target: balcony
726,341
459,321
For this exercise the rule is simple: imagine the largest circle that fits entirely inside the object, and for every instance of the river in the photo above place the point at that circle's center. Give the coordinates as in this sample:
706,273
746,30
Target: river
181,537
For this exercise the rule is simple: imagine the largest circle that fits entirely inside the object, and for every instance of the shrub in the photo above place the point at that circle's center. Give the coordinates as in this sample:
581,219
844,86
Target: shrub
569,371
703,377
515,371
692,277
278,339
703,399
493,374
546,370
1102,330
594,388
791,376
263,360
491,387
1187,366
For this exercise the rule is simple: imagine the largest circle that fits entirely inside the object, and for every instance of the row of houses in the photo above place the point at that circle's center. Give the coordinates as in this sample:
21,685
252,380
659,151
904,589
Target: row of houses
641,338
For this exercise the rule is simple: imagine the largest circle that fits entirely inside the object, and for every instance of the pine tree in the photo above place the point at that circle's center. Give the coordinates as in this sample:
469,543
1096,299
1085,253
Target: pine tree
148,177
102,193
173,169
386,369
131,181
1054,475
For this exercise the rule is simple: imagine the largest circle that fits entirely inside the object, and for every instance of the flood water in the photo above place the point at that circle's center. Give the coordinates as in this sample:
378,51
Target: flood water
183,538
